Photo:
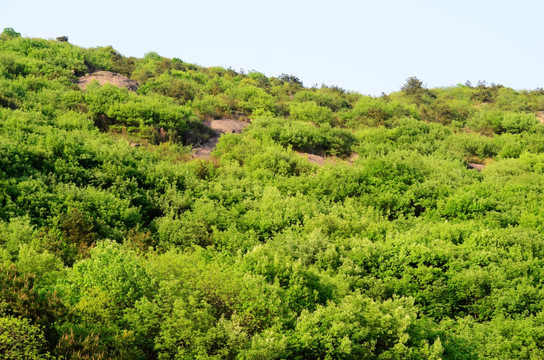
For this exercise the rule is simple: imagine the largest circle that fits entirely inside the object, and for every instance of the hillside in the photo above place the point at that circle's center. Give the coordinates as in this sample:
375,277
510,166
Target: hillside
305,223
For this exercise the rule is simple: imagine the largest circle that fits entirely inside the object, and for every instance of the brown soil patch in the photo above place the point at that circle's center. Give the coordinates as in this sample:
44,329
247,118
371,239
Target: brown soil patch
321,160
205,150
478,167
108,77
223,126
540,117
316,159
219,127
353,158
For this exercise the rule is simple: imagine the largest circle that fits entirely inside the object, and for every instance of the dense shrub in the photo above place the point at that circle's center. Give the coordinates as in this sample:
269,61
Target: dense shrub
372,112
310,111
303,136
21,340
499,122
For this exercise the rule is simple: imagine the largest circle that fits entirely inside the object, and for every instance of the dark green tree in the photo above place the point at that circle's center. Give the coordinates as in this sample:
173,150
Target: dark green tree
413,86
9,33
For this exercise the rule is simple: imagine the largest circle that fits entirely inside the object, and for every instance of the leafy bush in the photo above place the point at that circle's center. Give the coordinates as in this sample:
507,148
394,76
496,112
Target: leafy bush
412,86
303,136
499,122
250,98
211,106
9,33
112,106
271,159
176,85
21,340
444,112
310,111
324,97
357,327
372,112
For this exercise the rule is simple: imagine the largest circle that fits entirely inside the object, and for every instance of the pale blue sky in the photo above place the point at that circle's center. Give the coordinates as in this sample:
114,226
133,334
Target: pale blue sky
365,46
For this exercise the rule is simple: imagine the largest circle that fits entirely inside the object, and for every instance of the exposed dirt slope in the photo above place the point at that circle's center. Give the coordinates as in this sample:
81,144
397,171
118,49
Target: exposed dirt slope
316,159
223,126
478,167
108,77
540,117
219,127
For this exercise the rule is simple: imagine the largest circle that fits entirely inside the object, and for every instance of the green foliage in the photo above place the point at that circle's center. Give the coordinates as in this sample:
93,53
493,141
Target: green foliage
324,97
290,79
412,86
182,233
372,112
113,106
356,328
269,160
9,33
499,122
178,85
21,340
250,99
107,58
310,111
303,136
100,291
15,234
211,106
486,93
116,242
20,298
212,312
445,112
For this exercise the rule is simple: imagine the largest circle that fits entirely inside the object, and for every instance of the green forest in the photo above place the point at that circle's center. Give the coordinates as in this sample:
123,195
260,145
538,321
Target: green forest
419,235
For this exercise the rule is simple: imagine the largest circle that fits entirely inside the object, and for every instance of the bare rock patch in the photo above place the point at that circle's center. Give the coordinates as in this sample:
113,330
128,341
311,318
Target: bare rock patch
219,127
108,77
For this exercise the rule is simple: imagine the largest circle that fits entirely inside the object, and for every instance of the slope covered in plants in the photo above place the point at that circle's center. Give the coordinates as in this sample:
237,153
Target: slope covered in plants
113,251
